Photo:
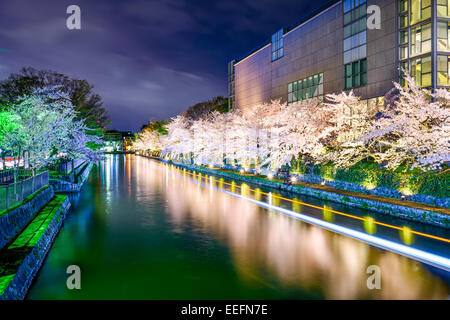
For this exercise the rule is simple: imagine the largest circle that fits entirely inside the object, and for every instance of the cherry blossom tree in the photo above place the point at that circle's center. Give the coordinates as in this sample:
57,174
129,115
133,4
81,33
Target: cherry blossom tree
178,141
411,131
45,125
148,141
414,132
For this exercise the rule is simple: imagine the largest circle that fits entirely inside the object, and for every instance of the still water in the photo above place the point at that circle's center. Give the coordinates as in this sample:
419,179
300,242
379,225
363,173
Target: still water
141,230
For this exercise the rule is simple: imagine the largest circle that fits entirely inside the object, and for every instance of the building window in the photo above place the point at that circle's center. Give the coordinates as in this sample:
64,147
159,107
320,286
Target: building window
443,36
403,66
351,4
420,39
420,10
231,77
355,74
443,8
443,68
277,45
306,88
403,21
355,47
404,37
403,6
421,71
403,52
355,39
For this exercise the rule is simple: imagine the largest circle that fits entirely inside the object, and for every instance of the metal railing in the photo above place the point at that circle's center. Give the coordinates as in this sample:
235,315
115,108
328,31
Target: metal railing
7,176
15,192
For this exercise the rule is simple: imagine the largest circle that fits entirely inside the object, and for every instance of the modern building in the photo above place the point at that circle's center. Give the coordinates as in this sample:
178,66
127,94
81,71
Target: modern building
344,46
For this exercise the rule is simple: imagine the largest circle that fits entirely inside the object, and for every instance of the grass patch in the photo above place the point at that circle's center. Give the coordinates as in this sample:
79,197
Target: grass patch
24,201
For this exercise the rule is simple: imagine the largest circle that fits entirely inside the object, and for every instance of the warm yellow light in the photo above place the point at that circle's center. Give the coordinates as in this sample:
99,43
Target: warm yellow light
241,171
406,235
270,176
370,225
406,192
293,179
370,186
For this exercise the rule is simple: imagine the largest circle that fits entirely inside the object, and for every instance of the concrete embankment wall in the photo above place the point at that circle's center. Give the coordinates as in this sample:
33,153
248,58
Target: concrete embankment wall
18,286
16,218
62,186
398,211
15,223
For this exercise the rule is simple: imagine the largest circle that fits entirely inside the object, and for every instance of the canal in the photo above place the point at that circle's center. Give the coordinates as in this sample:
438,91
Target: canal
141,229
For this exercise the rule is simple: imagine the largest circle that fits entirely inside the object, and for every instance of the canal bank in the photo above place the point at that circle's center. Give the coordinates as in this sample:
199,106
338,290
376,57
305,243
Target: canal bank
407,210
20,261
29,228
73,182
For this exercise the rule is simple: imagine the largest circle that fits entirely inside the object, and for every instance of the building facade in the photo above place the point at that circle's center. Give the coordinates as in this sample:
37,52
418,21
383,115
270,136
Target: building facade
346,47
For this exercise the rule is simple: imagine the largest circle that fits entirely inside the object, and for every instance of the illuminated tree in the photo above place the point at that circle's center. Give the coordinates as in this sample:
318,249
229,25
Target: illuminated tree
44,123
411,131
148,140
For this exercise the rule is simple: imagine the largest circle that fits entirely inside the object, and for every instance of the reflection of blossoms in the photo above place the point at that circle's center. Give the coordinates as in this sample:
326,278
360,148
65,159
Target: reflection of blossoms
266,245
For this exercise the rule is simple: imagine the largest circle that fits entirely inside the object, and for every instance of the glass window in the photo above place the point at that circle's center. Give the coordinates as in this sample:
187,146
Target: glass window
403,6
443,64
420,40
363,65
347,31
347,5
421,71
347,17
442,8
403,52
443,32
306,88
420,10
277,45
403,66
355,74
403,21
355,39
403,36
355,47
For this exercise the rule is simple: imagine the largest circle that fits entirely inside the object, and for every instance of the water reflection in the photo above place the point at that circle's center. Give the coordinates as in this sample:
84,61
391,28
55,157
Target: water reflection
293,253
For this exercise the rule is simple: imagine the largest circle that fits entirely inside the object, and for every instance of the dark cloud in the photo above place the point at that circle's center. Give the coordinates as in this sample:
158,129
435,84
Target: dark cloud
146,58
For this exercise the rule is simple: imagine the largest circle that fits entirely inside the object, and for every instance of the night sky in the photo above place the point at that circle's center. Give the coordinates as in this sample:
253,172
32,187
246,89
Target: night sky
147,59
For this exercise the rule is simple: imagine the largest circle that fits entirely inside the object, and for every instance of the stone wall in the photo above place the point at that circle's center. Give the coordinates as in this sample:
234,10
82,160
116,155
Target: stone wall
82,173
13,221
18,287
407,213
355,187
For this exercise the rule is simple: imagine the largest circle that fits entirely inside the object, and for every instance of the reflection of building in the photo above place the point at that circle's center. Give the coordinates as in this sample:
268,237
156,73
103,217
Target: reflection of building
335,50
117,141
